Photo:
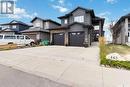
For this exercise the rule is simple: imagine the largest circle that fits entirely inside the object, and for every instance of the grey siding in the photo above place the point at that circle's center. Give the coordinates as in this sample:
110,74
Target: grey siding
8,33
22,27
44,36
52,25
78,12
120,38
38,21
76,27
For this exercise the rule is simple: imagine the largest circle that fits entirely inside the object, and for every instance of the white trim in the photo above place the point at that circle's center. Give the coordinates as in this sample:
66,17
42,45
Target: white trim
79,19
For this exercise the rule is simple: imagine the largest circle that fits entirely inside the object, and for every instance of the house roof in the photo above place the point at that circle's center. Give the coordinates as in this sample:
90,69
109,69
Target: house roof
15,22
120,20
35,19
7,30
70,13
35,29
68,25
97,19
45,20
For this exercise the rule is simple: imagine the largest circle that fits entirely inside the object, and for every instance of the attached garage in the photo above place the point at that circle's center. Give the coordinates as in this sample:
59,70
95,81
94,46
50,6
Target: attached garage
58,38
33,36
76,38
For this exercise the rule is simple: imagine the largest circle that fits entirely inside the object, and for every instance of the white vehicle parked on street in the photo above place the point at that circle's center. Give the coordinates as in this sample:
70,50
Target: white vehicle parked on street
16,39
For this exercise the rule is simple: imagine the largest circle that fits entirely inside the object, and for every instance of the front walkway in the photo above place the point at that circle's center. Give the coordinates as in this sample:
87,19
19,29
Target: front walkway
74,66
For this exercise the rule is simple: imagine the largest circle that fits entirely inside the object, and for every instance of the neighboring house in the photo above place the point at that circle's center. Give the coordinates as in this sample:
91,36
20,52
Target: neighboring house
77,28
7,31
14,27
121,30
40,29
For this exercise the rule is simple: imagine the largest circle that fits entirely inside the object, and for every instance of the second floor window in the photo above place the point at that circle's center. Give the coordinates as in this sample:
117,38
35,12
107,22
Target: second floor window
37,24
4,27
65,21
79,19
14,26
46,26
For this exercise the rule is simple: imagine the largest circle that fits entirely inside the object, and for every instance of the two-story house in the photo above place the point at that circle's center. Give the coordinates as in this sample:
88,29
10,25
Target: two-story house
77,28
13,27
121,30
40,29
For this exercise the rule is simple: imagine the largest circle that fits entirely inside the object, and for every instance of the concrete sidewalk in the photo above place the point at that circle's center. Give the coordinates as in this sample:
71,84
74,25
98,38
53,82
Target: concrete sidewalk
14,78
74,66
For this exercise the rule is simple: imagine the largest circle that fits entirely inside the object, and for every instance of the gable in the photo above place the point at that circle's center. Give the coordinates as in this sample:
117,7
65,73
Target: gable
14,21
78,12
36,18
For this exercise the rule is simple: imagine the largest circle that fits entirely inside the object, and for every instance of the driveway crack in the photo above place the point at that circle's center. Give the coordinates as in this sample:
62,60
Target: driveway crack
64,72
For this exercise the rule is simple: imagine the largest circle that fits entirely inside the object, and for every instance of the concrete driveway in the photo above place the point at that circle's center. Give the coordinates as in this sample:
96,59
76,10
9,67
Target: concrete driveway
74,66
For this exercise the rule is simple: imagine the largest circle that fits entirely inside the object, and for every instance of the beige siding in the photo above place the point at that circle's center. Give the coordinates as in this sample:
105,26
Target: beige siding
44,36
8,33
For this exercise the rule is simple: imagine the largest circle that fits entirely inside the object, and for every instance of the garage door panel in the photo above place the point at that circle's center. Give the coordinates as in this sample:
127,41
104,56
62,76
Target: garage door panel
58,39
76,38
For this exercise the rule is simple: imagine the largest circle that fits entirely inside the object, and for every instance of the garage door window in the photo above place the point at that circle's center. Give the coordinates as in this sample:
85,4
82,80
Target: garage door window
61,34
73,33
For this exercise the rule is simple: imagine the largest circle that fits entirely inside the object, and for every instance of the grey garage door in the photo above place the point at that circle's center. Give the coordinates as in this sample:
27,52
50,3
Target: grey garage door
76,38
58,39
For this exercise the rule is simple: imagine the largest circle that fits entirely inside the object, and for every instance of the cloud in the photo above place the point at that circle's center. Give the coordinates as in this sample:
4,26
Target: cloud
111,1
126,10
60,8
59,5
59,1
19,13
107,23
105,15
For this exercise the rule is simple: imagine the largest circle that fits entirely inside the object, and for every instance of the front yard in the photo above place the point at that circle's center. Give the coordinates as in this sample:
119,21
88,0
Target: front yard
121,49
8,47
106,49
14,46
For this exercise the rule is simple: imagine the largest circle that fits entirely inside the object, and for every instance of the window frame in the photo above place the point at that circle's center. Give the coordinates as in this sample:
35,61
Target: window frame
65,21
46,25
38,24
79,19
19,37
9,37
14,26
27,38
